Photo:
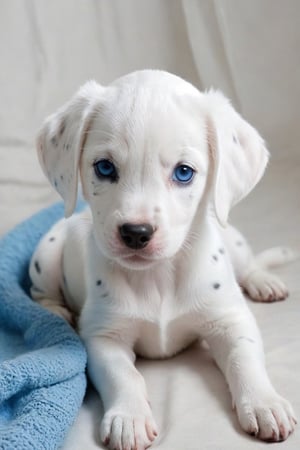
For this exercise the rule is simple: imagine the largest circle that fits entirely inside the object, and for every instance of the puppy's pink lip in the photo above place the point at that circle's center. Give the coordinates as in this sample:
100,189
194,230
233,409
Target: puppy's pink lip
135,257
137,260
125,253
148,254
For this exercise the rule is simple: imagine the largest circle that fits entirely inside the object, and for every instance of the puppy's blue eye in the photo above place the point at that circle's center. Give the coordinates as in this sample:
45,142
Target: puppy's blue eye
106,169
183,174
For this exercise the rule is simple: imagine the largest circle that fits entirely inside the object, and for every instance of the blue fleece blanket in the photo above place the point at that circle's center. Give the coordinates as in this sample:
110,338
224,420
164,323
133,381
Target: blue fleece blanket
42,360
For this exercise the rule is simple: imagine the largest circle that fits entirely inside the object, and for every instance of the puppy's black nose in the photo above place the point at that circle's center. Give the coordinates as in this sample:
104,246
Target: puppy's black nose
136,236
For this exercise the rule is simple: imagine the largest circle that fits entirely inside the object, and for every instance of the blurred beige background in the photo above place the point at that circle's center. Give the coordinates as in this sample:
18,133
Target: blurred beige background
248,49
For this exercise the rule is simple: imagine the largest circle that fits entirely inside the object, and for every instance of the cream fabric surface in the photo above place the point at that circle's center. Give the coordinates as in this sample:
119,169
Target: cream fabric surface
250,50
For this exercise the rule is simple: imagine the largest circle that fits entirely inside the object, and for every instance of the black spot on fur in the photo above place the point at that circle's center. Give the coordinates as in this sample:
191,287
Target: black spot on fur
37,267
55,183
54,141
221,251
61,177
215,258
52,239
62,127
98,282
216,285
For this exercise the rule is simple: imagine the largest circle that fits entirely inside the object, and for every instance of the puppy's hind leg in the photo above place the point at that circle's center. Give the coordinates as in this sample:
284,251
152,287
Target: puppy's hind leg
53,304
259,282
253,271
46,272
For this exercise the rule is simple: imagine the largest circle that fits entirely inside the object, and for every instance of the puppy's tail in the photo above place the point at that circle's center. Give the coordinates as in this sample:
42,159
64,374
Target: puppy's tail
276,256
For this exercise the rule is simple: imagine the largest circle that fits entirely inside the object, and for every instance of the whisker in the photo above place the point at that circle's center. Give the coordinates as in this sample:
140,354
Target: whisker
186,247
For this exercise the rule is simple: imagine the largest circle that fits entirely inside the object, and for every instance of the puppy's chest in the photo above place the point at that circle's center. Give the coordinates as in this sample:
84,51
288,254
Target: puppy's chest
164,324
162,312
165,335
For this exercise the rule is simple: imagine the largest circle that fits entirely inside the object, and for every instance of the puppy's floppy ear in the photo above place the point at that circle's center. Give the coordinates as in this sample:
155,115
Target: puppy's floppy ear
238,154
61,140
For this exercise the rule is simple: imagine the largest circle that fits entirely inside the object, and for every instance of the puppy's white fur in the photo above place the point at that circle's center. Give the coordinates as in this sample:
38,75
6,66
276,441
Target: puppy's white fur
183,285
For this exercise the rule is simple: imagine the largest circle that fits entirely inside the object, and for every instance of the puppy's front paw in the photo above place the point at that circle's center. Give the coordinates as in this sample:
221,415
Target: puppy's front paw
123,430
270,417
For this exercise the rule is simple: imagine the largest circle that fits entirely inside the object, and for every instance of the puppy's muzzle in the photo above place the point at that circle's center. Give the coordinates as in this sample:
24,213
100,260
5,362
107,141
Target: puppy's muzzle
136,236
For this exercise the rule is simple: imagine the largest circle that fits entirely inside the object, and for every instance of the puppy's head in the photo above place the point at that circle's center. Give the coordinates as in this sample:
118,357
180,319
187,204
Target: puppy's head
147,148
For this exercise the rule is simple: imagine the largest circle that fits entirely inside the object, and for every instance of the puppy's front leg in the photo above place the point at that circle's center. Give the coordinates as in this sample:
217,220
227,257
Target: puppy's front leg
236,345
128,422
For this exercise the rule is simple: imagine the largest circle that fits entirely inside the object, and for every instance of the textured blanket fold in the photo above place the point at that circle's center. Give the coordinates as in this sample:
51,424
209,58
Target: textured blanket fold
42,360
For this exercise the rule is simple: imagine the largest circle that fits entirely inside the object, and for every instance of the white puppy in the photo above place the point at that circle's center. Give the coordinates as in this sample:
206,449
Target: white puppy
152,266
